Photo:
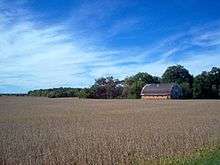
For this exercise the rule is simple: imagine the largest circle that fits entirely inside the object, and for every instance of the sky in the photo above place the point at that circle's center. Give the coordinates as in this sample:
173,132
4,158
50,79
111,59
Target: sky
46,44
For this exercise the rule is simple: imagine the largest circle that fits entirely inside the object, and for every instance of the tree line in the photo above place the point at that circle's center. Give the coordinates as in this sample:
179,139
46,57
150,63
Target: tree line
203,86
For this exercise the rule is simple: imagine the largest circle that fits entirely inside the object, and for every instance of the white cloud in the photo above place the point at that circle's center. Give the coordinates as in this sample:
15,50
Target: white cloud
35,55
40,54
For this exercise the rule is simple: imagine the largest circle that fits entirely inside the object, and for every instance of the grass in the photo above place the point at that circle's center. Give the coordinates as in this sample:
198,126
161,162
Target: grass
201,157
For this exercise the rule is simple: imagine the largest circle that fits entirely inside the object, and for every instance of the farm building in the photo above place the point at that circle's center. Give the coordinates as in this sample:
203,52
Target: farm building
161,91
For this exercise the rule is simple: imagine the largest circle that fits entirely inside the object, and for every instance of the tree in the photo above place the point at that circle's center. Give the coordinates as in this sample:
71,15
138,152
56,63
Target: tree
214,76
134,84
84,93
207,84
178,74
202,86
55,92
106,88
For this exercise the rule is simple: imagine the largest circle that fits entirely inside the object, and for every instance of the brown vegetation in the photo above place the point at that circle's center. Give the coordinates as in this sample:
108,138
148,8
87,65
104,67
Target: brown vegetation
81,131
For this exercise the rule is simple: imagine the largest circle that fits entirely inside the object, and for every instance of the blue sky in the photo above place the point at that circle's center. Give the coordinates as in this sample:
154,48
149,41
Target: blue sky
69,43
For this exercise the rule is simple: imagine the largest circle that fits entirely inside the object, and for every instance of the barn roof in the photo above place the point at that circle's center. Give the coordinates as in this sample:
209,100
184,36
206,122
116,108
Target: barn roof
157,89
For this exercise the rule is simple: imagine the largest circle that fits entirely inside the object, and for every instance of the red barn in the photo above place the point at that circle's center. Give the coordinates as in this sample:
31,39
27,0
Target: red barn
161,91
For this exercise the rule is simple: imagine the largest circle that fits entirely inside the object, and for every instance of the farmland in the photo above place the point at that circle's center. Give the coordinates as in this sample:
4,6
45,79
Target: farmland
38,130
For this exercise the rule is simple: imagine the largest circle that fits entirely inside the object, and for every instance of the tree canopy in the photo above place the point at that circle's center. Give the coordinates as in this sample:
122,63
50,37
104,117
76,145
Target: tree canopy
204,85
178,74
106,88
207,84
134,84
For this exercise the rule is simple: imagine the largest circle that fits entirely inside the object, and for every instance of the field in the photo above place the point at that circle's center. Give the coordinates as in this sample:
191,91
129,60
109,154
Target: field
36,130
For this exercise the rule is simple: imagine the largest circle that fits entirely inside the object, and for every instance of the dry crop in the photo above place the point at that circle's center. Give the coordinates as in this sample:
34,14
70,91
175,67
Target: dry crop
81,131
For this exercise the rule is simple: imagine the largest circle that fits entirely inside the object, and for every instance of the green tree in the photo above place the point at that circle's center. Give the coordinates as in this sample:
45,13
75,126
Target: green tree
106,88
207,84
202,86
84,93
214,76
134,84
178,74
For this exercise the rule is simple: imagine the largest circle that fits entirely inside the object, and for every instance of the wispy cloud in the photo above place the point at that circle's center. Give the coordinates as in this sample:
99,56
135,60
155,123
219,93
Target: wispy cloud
38,55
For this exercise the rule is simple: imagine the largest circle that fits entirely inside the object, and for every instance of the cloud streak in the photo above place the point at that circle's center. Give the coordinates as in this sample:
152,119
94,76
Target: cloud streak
35,55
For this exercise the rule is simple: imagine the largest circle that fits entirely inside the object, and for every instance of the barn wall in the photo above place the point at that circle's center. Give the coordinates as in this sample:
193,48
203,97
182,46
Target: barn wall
155,97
